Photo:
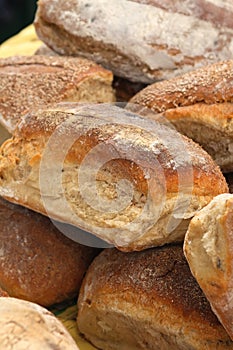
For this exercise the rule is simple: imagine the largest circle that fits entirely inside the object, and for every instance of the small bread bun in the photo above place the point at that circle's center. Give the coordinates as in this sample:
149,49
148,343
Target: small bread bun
37,262
24,325
69,160
147,300
199,104
208,249
28,82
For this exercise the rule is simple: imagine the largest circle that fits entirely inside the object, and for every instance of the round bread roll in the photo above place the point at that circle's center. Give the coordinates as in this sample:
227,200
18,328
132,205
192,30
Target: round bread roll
147,301
25,325
208,249
130,181
199,104
37,262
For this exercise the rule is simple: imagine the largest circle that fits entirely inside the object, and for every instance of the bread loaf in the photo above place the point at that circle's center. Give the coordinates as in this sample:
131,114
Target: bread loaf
37,262
140,40
128,180
208,248
199,104
24,325
35,81
147,301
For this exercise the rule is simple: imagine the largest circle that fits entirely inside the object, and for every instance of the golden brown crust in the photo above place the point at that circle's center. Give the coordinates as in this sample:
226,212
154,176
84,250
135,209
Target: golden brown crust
28,82
208,248
37,262
153,163
199,105
210,84
151,292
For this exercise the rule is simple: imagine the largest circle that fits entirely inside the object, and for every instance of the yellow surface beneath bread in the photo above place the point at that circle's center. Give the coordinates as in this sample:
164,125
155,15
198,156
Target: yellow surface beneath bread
26,43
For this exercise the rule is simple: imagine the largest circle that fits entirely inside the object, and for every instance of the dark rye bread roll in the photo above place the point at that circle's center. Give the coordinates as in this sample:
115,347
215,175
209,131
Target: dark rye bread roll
28,82
140,40
37,262
147,301
199,104
25,325
128,180
208,248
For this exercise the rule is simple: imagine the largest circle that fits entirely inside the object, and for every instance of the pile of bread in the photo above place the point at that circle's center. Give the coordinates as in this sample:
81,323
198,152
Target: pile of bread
124,207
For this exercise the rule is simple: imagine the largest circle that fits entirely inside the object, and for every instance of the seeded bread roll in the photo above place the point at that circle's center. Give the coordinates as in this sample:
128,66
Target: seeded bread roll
147,301
28,82
24,325
139,40
199,104
128,180
37,262
208,249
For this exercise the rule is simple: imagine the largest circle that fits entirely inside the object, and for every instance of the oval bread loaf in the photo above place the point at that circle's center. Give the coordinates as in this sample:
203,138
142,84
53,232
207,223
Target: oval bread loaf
37,262
28,82
147,301
199,104
142,41
128,180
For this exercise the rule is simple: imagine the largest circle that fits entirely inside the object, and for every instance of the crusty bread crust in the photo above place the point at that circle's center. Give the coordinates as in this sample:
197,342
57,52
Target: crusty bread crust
199,104
208,249
164,169
24,325
37,262
28,82
147,301
210,84
142,41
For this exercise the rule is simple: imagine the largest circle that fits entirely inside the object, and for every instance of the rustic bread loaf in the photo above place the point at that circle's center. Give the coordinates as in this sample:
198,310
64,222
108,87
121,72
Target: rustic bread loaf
199,104
128,180
28,82
147,301
208,248
24,325
37,262
142,41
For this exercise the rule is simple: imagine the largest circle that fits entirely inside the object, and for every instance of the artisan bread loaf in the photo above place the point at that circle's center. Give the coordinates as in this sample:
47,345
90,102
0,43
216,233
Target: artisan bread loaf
28,82
37,262
128,180
208,249
199,104
142,41
24,325
147,301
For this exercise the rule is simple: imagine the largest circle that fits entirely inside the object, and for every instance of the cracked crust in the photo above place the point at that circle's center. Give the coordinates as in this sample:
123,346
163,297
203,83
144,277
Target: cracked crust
147,301
27,326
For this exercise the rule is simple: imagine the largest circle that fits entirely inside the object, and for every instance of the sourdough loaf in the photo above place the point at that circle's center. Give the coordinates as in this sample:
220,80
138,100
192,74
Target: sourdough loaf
37,262
28,82
147,301
142,41
25,325
199,104
128,180
208,248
